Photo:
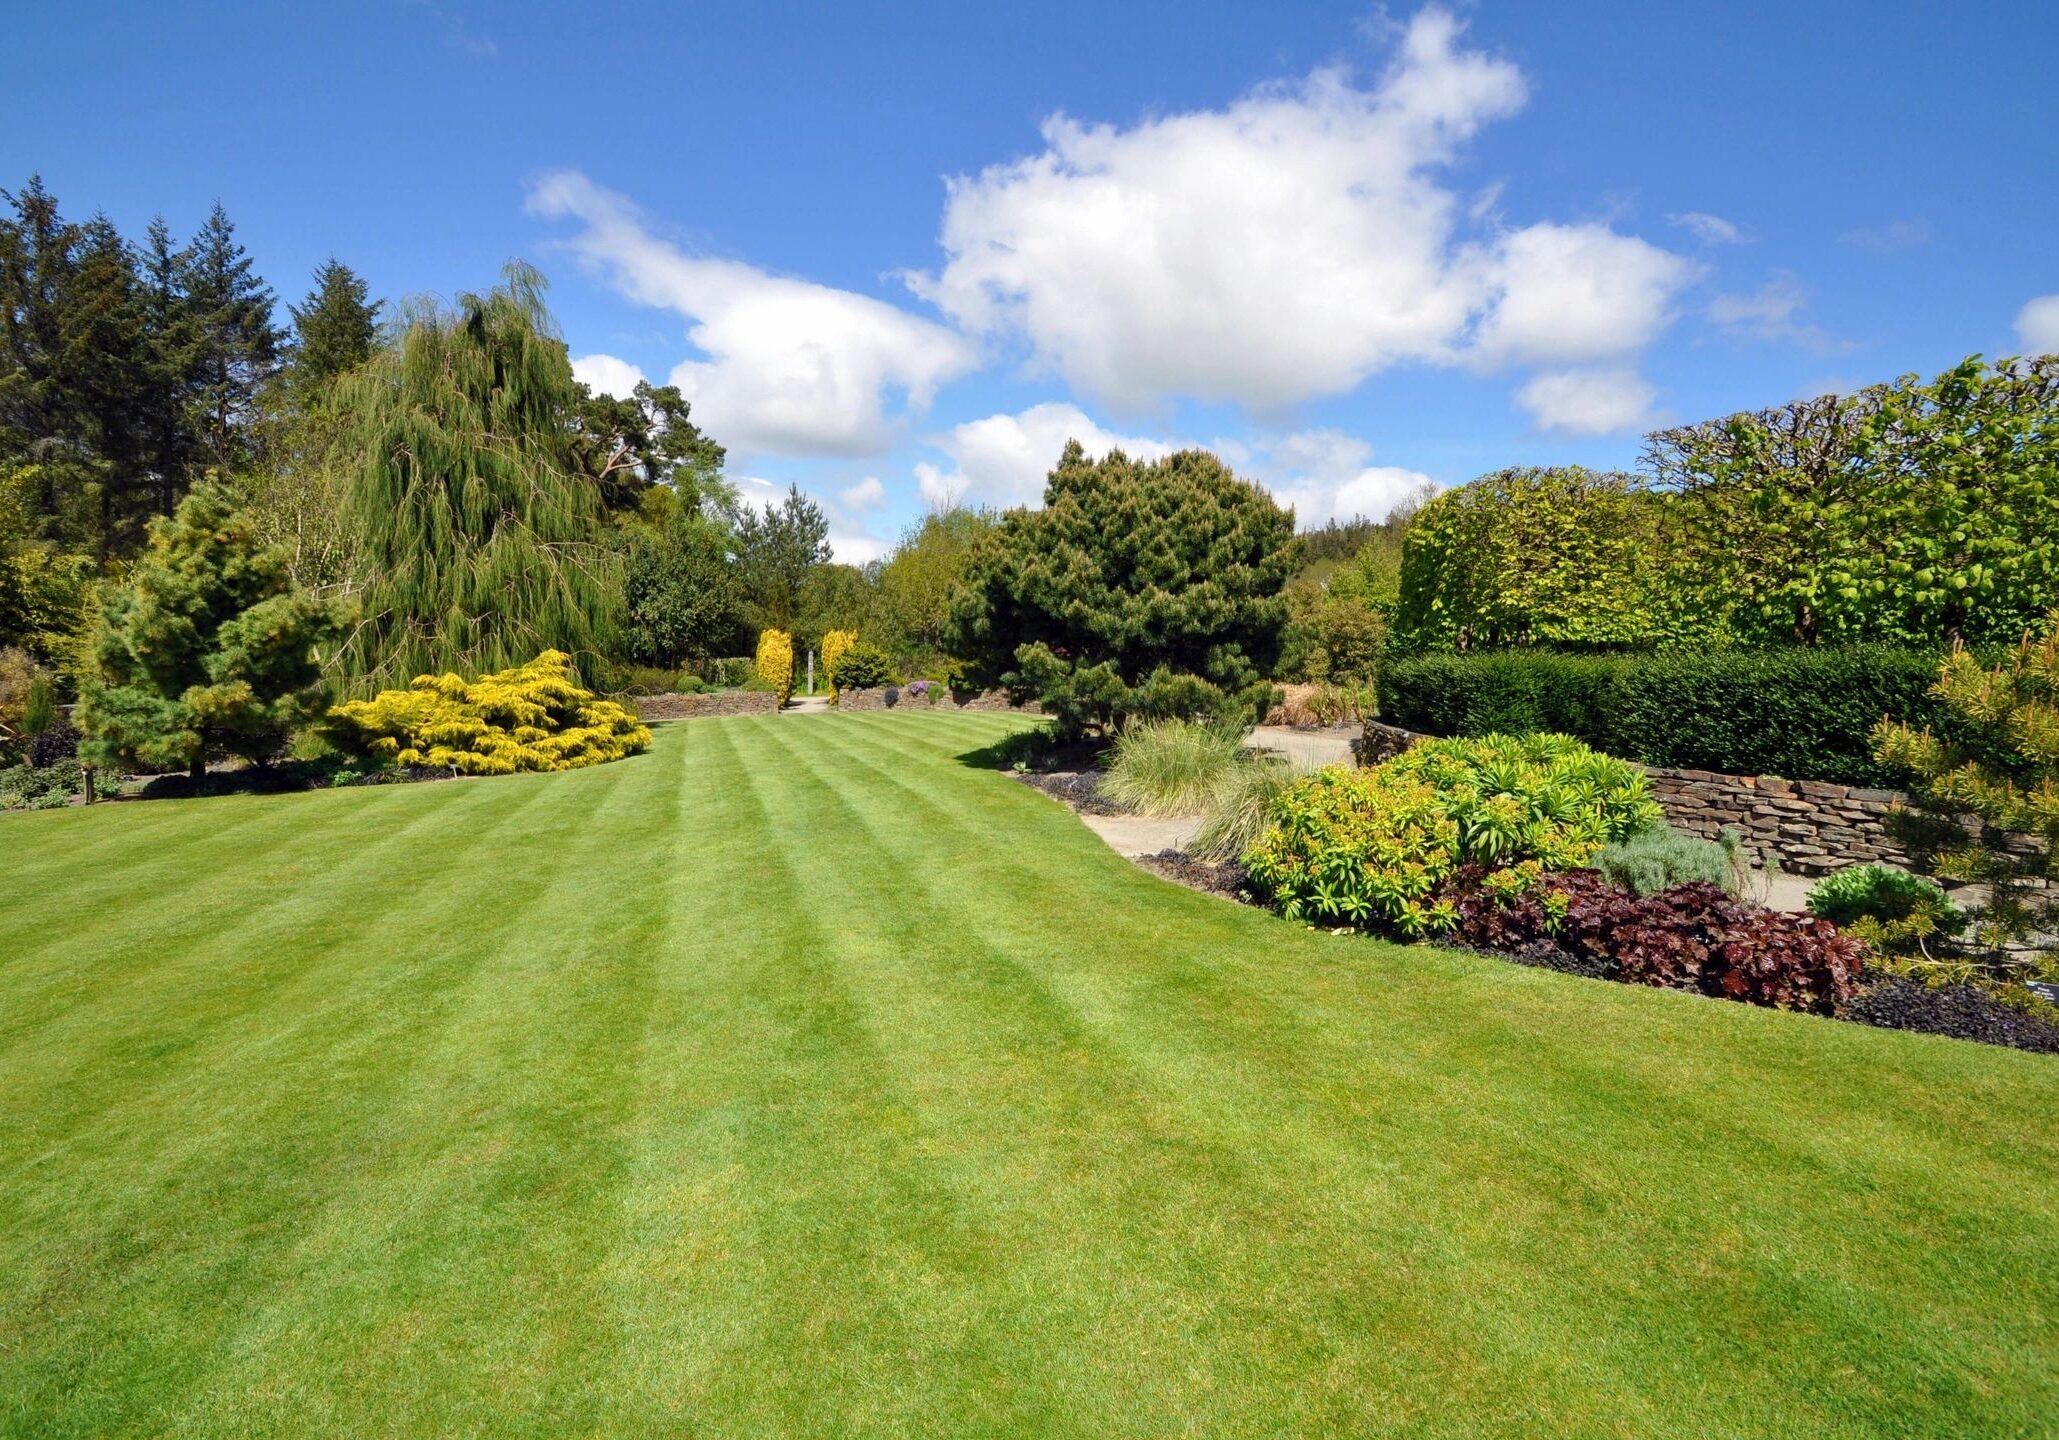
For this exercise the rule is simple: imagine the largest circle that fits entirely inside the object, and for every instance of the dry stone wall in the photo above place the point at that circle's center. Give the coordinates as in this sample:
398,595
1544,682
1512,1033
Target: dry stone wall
935,698
722,702
1812,828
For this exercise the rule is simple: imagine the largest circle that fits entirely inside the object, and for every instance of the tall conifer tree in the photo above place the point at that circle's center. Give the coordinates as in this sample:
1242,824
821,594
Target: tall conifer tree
334,329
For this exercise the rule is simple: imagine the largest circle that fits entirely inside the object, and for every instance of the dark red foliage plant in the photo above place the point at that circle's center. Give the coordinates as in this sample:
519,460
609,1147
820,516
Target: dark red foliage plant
1691,937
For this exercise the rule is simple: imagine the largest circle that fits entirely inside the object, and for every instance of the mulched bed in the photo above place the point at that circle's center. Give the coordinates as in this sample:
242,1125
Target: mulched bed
1228,880
283,779
1081,789
1957,1010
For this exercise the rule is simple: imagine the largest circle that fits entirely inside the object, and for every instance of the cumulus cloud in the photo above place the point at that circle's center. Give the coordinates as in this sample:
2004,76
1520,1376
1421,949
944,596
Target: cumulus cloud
1709,229
1772,312
1588,402
867,494
1576,293
1325,475
1287,246
1004,459
791,367
607,375
1894,235
2037,326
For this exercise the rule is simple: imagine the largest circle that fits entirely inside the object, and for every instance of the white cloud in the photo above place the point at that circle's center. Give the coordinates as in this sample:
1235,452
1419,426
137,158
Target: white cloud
853,547
867,494
1004,459
1709,229
1287,246
1773,312
1894,235
2037,326
606,375
1588,402
1323,474
792,367
1575,293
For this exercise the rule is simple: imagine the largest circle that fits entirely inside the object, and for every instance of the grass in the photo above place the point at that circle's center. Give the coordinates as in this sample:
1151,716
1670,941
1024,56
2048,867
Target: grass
1170,767
800,1079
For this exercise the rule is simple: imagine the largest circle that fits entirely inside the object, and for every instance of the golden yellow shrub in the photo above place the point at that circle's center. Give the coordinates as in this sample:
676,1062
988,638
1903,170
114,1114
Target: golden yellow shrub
533,717
776,662
834,644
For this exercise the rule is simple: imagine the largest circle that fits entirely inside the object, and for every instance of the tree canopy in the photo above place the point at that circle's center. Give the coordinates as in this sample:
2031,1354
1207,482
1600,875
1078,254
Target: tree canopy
1140,589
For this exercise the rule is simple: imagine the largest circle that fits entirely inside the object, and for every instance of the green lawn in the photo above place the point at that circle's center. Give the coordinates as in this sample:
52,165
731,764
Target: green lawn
798,1078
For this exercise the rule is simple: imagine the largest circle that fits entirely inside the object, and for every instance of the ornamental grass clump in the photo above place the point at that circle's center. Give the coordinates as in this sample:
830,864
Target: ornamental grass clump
1372,846
1170,767
1242,806
533,717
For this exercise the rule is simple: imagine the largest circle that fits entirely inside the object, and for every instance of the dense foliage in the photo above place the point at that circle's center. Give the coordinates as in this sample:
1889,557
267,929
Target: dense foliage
1140,590
775,663
861,667
1807,714
206,651
1892,910
1661,857
1689,937
530,717
1916,512
1993,777
477,533
1373,846
682,599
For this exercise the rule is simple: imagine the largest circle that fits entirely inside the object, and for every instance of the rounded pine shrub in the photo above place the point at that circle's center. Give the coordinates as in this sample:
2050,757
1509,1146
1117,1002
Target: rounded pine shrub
861,667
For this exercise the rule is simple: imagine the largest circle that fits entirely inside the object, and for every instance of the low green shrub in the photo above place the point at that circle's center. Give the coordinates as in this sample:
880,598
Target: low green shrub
1892,910
1661,857
1371,846
1170,767
41,787
1807,714
861,667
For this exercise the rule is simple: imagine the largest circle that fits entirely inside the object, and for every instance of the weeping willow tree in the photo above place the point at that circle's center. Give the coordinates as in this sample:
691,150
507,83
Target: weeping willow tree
477,537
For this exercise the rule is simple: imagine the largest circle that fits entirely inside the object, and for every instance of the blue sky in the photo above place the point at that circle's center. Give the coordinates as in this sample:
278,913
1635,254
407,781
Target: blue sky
897,253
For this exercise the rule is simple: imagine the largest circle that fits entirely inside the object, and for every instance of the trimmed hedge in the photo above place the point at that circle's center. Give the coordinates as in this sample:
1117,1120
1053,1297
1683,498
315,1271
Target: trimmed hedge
1807,714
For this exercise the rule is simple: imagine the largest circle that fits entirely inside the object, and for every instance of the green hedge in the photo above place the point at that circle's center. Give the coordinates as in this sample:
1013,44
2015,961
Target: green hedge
1806,714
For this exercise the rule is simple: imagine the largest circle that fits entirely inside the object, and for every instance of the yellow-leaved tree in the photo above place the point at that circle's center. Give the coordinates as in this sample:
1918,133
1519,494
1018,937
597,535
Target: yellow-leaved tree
776,662
834,644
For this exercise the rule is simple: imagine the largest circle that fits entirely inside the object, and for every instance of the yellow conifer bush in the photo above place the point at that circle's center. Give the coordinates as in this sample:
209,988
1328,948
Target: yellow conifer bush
834,644
776,662
533,717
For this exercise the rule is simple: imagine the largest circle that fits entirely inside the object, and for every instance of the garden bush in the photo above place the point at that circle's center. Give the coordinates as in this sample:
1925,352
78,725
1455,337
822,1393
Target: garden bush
41,787
1891,910
775,667
1807,714
1372,846
1170,767
533,717
861,667
1689,937
1661,857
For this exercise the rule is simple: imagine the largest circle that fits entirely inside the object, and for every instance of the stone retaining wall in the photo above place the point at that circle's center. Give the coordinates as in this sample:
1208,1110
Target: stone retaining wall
936,698
1812,827
690,707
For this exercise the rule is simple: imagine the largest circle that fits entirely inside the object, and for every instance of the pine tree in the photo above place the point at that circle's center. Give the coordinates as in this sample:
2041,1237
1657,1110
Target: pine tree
173,366
206,651
236,345
475,532
334,329
777,548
